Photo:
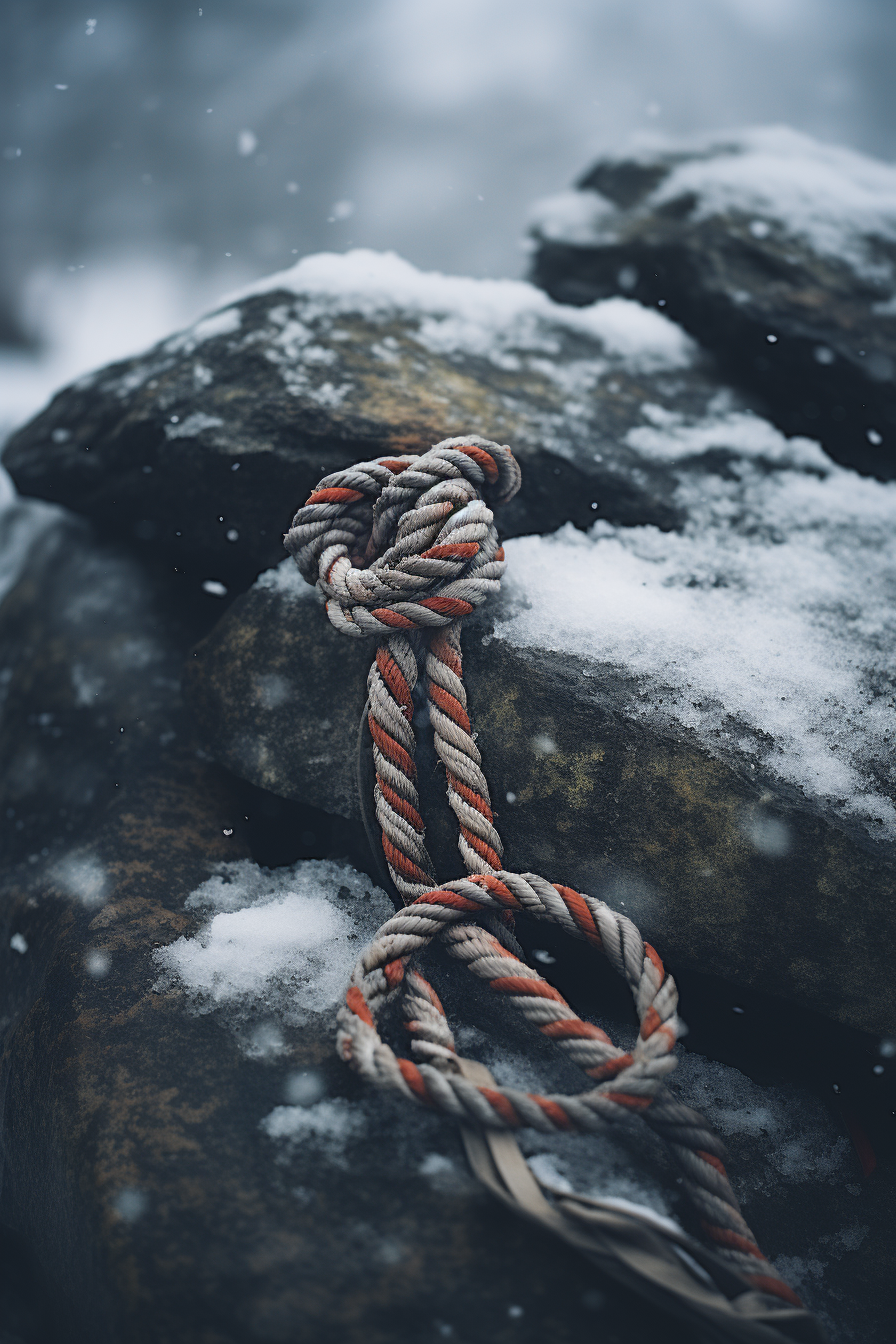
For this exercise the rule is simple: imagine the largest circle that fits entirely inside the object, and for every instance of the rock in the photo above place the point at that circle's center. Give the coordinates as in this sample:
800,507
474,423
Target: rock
92,651
147,1163
191,1161
777,253
695,726
201,449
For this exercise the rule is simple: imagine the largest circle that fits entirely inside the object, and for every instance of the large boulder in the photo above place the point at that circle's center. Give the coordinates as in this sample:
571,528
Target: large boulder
201,449
776,252
695,726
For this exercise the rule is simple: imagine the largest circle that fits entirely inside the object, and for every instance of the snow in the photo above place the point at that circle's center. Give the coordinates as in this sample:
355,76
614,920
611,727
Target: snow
328,1124
272,956
788,1134
273,944
766,626
286,580
83,878
491,319
832,198
193,425
22,522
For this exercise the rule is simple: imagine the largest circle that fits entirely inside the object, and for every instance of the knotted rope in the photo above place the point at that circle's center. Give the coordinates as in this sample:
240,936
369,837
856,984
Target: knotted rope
403,548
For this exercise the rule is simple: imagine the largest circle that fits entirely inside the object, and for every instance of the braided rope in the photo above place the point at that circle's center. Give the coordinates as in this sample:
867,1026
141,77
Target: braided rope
403,548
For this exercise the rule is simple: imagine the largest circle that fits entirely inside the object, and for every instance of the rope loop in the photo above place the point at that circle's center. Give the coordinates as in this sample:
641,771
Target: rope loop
405,545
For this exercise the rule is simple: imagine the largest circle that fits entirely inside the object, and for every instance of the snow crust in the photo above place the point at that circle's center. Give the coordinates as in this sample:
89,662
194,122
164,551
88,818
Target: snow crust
488,318
766,625
832,198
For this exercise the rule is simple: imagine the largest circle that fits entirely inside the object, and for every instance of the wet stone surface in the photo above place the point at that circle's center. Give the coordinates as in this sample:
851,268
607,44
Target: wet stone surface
775,252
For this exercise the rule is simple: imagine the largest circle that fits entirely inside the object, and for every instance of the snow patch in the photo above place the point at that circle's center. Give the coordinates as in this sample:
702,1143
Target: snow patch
285,580
329,1125
274,945
766,626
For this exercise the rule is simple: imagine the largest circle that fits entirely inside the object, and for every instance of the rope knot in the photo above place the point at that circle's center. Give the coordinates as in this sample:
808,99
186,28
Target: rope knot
406,543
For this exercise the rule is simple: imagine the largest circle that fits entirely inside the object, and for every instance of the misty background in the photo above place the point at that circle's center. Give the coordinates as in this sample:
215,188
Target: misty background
157,153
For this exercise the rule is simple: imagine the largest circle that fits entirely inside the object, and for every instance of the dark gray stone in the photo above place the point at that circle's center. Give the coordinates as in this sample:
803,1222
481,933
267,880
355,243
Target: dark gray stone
201,450
707,232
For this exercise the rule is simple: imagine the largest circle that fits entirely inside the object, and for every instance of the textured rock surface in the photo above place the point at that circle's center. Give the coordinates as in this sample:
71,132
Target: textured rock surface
777,253
133,1164
203,448
685,839
146,1149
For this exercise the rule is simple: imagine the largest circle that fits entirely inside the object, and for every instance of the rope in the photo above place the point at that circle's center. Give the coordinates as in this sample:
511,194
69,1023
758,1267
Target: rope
403,548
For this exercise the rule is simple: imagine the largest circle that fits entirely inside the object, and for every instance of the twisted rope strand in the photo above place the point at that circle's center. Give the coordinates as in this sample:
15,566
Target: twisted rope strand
407,545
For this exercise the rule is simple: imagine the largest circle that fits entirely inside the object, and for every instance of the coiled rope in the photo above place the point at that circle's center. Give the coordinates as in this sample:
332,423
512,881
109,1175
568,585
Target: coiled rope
403,548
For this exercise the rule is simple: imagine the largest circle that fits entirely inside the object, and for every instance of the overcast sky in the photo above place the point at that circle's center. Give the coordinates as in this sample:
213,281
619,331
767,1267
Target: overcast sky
266,129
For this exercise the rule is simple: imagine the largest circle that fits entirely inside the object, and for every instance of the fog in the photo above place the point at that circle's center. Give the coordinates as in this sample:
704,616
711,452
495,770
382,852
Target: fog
158,154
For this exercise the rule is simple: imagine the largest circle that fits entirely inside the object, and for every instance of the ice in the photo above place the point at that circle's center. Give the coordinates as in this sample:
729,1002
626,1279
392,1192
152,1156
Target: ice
274,943
834,199
488,318
766,626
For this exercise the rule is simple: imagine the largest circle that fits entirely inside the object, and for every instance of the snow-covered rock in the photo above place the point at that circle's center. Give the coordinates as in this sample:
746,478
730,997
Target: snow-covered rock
697,725
776,252
201,449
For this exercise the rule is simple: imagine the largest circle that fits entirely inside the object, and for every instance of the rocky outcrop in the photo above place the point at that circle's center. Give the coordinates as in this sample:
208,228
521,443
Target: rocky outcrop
684,711
200,450
775,252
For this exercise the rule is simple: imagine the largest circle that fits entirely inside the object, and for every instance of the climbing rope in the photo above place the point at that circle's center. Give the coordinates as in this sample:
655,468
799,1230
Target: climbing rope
404,548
